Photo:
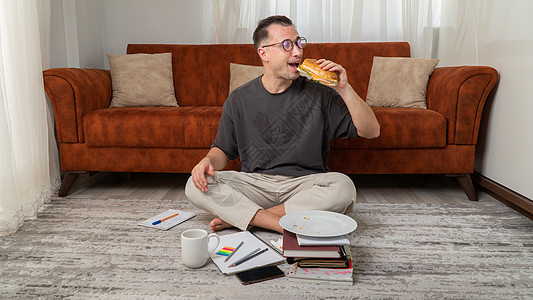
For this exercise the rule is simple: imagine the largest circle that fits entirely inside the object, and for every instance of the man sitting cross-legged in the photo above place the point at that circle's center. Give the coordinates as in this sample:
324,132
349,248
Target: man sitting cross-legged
280,126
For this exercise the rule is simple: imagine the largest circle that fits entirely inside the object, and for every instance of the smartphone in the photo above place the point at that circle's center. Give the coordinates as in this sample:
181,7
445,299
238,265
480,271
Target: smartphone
260,274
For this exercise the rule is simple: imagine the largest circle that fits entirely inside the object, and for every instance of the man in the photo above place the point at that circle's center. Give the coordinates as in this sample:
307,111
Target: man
280,126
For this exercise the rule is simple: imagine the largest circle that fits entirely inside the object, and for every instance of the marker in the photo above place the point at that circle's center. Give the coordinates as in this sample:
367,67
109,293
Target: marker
248,257
159,221
234,250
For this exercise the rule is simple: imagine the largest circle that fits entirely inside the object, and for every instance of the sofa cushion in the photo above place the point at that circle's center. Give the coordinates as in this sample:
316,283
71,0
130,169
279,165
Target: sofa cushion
186,127
241,74
142,80
399,81
403,128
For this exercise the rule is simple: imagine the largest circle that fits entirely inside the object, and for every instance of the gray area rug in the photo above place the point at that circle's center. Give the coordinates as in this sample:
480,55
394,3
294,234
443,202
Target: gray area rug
81,248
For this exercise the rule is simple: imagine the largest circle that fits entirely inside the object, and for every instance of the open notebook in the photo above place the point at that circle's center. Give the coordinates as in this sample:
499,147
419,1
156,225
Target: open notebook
251,242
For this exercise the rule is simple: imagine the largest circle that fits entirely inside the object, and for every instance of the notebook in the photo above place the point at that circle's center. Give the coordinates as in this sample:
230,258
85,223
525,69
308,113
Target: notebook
342,276
251,242
169,223
292,249
317,262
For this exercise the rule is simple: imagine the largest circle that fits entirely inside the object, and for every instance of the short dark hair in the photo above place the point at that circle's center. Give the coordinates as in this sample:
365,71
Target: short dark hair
261,31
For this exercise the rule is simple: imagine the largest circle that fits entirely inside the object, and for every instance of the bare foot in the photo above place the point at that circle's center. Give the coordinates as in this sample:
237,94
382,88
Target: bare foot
266,219
218,224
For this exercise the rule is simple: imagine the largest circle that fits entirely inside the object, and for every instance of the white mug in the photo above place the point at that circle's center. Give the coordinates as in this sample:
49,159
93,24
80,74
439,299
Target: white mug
194,247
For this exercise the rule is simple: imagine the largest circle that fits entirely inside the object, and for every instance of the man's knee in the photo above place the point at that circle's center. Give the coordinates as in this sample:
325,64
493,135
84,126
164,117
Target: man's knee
346,187
343,191
192,192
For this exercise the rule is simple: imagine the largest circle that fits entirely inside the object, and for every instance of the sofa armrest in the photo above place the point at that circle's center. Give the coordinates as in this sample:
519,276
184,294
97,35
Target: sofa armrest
73,93
459,93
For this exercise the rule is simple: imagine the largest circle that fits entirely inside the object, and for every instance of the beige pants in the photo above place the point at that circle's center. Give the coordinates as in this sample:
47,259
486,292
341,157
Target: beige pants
235,197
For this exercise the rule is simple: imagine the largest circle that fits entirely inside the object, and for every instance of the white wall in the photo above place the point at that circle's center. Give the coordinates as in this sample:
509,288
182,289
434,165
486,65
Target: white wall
505,148
108,26
58,52
89,24
76,34
158,21
505,151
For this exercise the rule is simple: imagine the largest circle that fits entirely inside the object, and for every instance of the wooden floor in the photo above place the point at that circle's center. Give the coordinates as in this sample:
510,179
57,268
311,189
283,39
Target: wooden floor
370,188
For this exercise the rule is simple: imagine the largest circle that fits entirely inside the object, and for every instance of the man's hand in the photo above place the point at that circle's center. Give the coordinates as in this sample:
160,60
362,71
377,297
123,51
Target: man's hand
215,160
328,65
362,115
198,173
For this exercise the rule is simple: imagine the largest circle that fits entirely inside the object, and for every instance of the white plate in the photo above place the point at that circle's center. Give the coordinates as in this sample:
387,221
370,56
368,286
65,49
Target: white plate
318,223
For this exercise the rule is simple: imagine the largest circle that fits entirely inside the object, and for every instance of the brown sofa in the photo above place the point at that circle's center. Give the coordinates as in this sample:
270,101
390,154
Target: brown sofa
94,137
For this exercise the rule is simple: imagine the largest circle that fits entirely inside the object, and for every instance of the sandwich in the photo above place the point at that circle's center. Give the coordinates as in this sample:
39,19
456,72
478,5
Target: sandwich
310,69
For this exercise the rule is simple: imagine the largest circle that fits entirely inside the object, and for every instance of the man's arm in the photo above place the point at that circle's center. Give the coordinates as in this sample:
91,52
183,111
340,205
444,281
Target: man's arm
215,160
362,115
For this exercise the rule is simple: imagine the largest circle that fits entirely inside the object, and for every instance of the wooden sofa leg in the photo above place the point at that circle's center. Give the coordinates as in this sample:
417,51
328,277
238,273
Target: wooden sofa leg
68,181
465,181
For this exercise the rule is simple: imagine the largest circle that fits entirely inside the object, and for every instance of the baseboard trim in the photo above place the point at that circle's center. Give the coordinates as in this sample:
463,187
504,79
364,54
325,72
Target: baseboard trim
514,200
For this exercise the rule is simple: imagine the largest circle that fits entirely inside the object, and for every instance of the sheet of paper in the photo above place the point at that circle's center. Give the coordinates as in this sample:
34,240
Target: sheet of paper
304,240
251,242
278,245
167,224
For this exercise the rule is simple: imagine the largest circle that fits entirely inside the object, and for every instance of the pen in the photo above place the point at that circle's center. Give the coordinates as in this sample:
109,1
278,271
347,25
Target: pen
248,257
159,221
233,252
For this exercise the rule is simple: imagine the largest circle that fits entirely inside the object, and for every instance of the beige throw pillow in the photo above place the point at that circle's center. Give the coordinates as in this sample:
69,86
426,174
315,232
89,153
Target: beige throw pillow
142,80
241,74
399,81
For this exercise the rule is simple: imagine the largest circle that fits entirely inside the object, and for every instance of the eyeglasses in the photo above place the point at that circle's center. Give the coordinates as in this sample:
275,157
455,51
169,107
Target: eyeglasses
288,45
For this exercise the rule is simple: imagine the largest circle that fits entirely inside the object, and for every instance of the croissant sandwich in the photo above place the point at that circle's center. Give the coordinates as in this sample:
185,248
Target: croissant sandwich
310,69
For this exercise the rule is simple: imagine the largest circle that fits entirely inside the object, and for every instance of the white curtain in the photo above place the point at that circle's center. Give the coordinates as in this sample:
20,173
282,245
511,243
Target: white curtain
474,31
29,167
415,21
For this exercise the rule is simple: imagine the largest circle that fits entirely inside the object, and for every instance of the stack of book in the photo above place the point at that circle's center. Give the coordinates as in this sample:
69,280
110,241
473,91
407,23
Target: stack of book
318,259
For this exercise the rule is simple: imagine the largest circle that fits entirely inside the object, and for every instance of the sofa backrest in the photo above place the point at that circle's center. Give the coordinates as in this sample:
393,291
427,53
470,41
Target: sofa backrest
202,72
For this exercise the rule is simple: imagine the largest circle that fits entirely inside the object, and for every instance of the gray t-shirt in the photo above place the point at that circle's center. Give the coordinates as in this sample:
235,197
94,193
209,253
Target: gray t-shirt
283,134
